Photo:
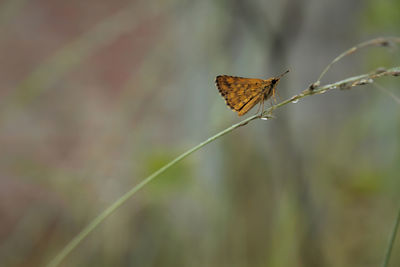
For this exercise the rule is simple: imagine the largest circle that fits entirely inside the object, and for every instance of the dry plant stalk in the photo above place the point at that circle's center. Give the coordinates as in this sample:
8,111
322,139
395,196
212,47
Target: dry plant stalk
313,89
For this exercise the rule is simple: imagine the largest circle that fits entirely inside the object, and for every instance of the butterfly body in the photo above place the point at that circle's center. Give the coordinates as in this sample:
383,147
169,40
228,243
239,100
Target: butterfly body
242,94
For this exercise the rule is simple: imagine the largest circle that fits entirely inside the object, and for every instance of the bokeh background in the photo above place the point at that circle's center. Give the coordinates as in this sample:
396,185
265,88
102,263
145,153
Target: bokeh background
96,95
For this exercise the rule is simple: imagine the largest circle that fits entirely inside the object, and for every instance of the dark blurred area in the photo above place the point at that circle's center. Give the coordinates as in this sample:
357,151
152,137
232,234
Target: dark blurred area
96,95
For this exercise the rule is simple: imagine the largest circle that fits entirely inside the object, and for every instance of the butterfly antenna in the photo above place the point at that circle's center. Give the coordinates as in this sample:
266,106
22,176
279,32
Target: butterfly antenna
280,76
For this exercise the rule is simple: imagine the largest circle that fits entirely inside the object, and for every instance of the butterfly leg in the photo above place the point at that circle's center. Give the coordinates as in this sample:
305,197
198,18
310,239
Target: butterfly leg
262,110
258,109
261,106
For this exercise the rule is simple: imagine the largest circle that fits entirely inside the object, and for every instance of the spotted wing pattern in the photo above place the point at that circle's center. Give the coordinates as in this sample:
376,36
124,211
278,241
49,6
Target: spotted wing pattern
241,94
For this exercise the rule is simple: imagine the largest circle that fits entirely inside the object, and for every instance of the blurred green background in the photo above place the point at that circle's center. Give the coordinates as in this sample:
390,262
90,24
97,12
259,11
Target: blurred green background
96,95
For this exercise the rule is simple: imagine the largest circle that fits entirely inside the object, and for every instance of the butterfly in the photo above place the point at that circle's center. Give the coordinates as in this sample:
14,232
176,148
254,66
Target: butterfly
242,94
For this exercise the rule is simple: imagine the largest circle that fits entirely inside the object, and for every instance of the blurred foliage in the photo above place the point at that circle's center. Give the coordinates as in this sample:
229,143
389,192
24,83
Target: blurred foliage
381,16
95,96
175,180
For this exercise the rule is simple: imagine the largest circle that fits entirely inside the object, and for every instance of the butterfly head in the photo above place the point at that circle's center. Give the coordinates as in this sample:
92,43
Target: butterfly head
274,83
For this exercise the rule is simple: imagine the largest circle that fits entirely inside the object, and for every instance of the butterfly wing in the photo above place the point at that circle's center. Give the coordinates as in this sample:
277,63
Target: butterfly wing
241,94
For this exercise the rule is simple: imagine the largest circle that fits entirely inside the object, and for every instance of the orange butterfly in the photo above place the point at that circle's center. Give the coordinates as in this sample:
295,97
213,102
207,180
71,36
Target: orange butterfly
242,94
